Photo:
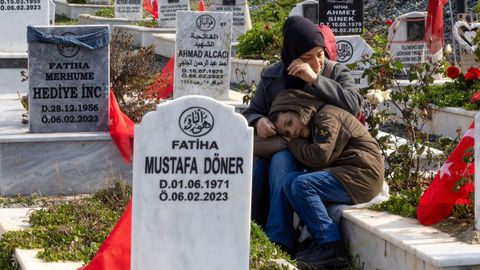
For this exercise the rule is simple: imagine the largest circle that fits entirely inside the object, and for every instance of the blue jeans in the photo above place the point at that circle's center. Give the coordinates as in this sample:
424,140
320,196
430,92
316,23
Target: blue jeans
267,183
308,193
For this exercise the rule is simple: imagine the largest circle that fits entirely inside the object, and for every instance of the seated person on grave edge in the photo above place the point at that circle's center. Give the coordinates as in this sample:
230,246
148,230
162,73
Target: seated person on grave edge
343,165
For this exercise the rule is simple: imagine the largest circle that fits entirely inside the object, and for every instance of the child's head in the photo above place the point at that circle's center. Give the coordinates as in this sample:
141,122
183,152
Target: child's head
288,123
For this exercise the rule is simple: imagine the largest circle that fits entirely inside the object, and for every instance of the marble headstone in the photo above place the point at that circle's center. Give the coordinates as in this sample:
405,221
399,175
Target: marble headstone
241,15
15,18
202,54
68,84
351,49
307,9
167,12
345,17
131,9
406,39
191,187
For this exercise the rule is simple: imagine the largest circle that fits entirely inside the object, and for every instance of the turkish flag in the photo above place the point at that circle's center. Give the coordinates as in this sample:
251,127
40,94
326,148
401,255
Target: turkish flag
438,200
121,129
151,7
434,25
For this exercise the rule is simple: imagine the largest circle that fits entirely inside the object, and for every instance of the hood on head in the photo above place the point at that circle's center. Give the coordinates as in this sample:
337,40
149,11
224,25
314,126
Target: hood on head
298,101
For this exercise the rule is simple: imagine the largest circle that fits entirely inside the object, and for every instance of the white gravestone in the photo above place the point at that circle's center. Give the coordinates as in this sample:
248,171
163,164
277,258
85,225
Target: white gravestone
240,11
167,12
202,54
15,16
351,49
406,39
68,84
131,9
307,9
192,187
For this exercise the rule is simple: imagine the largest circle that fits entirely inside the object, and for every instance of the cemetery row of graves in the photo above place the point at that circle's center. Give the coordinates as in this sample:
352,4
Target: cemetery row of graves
192,158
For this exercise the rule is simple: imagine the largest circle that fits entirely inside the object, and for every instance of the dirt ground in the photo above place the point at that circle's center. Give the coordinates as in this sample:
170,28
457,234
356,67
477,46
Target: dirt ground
463,230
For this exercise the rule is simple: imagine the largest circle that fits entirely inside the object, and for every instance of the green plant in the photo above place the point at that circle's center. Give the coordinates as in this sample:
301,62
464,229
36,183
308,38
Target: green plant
74,230
71,230
403,203
262,251
77,1
148,23
264,40
107,12
403,157
132,72
64,20
261,42
455,93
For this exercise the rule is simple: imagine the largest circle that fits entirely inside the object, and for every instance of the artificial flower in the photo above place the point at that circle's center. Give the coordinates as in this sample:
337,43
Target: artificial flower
447,50
376,96
475,97
453,72
475,71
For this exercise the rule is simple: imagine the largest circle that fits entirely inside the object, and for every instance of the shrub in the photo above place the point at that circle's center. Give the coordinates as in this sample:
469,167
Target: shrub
107,12
132,71
264,40
403,170
74,230
64,20
150,23
261,42
77,1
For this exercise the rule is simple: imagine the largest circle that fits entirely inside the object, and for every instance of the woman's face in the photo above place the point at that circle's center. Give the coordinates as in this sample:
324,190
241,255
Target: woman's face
314,58
289,124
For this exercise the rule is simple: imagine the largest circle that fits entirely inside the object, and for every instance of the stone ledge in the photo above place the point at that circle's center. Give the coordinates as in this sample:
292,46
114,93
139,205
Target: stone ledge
27,260
404,243
13,219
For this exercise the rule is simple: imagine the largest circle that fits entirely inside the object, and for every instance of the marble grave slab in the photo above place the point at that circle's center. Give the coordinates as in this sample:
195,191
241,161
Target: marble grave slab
202,54
68,84
131,9
15,16
241,15
167,12
192,187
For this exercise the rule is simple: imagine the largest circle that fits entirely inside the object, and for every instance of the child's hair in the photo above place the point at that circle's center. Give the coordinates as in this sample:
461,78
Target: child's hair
273,117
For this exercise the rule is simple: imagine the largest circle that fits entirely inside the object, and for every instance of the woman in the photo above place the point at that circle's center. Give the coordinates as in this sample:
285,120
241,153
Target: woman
305,67
344,166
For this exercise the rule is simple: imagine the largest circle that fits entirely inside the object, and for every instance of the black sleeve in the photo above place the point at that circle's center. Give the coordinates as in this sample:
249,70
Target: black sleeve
338,90
259,105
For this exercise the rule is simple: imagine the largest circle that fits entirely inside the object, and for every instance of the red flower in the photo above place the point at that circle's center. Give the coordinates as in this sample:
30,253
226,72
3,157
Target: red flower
267,27
388,22
475,97
469,76
475,71
453,72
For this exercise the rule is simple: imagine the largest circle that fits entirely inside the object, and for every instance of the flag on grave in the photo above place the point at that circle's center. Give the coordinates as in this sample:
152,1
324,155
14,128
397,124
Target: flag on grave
434,25
438,200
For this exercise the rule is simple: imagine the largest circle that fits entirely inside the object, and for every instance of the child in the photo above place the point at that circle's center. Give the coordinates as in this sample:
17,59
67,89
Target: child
344,166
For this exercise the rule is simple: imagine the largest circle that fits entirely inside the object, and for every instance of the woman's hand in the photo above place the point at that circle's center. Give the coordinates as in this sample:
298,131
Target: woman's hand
302,70
265,128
